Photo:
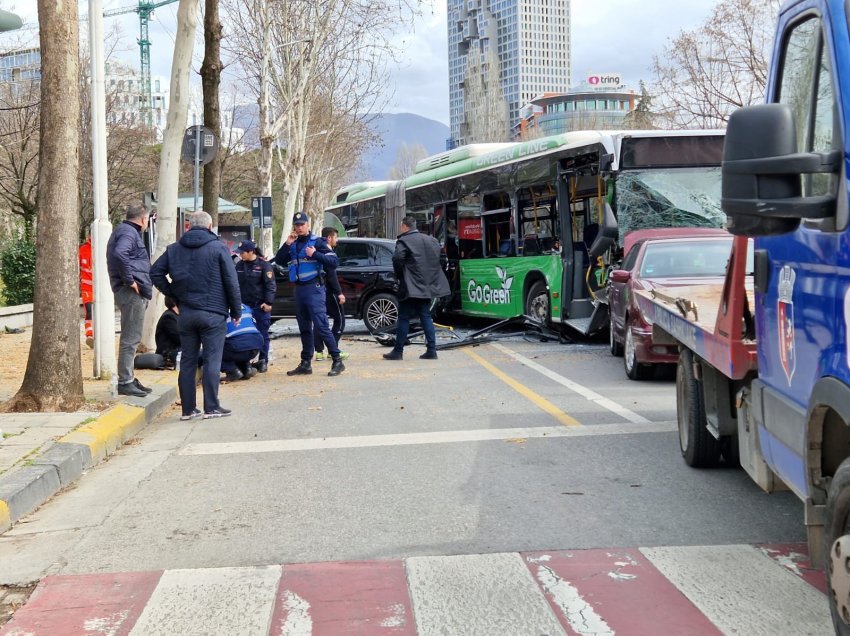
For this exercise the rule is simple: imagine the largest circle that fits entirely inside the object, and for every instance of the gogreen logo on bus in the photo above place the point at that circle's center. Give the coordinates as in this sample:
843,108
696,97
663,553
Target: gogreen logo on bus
491,295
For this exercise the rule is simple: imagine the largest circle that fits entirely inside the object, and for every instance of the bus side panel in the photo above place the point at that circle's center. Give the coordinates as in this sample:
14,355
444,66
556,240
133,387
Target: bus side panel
493,287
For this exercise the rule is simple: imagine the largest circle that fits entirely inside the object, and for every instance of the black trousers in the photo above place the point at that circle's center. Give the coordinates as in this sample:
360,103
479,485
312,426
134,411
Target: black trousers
200,328
336,313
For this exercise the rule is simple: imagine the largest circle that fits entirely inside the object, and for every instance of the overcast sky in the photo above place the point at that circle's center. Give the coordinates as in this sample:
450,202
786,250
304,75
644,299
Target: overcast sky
609,36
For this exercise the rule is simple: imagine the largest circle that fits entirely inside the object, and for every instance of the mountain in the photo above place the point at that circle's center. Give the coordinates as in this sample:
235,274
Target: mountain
396,129
393,130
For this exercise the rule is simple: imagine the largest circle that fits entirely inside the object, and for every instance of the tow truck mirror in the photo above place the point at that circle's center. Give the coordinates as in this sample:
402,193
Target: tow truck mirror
620,276
606,234
762,173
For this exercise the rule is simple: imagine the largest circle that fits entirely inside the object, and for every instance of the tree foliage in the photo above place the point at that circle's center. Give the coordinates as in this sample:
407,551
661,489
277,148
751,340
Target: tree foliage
703,75
17,269
406,159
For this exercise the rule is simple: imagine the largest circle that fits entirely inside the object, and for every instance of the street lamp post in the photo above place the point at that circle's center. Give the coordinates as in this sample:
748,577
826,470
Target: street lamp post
104,303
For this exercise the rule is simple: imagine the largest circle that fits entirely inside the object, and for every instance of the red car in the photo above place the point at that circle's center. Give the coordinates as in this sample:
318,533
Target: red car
667,257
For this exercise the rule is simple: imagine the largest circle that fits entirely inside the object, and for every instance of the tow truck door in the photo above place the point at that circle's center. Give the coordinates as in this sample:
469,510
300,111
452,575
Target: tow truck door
797,317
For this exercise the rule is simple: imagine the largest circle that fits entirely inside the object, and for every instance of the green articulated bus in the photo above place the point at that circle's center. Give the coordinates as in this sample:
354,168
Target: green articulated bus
533,228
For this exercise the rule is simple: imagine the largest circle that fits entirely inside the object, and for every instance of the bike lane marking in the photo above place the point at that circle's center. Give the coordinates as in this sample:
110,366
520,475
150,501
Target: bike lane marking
582,390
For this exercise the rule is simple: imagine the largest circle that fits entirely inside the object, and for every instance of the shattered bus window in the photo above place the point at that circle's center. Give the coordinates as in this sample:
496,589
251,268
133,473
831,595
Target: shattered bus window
676,197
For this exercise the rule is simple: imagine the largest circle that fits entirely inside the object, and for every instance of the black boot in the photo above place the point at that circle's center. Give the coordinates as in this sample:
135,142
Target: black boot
262,366
233,376
430,354
337,367
302,369
393,355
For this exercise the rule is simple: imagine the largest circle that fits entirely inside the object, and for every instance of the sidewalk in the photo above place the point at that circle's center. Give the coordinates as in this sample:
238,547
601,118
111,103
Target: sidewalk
41,453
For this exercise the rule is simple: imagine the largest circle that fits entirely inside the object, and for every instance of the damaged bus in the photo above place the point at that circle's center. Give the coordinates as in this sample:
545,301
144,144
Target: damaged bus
532,228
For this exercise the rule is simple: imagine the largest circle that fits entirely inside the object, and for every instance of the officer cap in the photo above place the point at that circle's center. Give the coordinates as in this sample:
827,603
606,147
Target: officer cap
299,219
247,246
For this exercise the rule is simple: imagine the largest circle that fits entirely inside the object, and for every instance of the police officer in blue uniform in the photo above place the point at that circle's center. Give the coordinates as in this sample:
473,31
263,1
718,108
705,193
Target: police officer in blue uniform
242,342
307,255
258,287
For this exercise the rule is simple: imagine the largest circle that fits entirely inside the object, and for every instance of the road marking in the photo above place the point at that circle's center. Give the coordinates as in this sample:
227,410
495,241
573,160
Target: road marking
410,439
523,390
215,601
742,591
478,594
586,393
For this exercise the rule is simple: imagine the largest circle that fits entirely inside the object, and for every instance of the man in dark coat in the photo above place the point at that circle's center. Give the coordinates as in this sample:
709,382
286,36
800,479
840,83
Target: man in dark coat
167,334
416,262
257,287
204,285
129,264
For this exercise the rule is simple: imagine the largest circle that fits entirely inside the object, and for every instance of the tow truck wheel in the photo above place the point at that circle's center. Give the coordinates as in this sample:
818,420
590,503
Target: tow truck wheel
698,446
634,369
837,547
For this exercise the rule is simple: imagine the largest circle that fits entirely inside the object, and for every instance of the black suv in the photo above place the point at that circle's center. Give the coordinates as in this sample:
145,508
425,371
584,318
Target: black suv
367,279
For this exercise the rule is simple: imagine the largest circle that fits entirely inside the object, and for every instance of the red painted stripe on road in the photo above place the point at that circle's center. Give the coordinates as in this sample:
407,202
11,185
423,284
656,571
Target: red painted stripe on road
75,605
794,557
623,589
338,599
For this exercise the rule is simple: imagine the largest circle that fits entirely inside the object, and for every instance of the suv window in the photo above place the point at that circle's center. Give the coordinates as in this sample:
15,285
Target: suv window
352,254
384,255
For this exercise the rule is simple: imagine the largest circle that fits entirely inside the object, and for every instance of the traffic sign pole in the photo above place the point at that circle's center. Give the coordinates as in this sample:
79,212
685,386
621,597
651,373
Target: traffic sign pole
197,159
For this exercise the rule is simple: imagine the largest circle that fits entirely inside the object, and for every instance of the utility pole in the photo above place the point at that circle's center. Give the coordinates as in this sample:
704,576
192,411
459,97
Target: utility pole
105,365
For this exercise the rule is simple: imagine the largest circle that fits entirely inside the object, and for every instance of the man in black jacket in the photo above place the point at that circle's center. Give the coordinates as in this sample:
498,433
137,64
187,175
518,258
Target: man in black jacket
167,334
204,285
257,287
416,262
334,301
129,264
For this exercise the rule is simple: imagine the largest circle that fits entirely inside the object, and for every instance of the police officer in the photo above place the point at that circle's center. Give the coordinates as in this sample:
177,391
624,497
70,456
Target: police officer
241,344
258,287
306,255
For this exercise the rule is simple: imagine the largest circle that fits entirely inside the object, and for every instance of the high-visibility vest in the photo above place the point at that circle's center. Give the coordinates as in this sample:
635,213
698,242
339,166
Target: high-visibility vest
86,274
303,269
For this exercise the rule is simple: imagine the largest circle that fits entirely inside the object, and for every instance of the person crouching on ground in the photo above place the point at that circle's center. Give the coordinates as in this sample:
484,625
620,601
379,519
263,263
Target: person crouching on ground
241,345
306,255
203,283
167,334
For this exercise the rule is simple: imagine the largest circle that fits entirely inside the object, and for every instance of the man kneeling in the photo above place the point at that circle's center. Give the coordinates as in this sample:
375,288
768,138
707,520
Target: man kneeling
241,345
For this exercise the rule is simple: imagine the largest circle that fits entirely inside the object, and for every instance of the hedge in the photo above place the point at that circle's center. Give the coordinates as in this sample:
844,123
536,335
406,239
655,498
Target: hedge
17,269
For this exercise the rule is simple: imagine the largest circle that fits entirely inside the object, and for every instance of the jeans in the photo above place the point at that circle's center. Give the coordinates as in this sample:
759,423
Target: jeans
336,313
200,328
410,308
132,308
312,315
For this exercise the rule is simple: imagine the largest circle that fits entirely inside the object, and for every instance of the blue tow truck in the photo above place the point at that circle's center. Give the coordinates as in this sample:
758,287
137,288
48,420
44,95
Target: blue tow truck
763,376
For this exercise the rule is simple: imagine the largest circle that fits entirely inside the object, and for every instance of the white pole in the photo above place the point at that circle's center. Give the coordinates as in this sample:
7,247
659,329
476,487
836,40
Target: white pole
104,303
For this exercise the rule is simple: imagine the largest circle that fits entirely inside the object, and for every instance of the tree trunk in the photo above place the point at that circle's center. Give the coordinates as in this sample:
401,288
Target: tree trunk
53,380
172,141
210,80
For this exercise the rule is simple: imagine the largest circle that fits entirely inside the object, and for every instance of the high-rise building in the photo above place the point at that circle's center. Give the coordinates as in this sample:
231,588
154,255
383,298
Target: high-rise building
531,40
20,66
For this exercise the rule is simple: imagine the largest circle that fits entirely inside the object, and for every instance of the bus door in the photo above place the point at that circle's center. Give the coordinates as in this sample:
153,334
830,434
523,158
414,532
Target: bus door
584,191
445,231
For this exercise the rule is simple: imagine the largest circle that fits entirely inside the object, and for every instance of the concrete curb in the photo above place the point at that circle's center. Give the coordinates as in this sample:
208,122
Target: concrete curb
25,489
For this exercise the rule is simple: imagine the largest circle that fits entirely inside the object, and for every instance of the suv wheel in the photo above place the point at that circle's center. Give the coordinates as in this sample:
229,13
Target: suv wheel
380,312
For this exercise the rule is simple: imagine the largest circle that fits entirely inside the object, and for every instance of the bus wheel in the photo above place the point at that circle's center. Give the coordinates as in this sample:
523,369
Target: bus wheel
380,312
837,548
537,302
698,446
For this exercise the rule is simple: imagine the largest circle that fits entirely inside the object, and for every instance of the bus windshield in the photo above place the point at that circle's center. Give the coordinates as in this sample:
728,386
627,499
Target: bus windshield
674,197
